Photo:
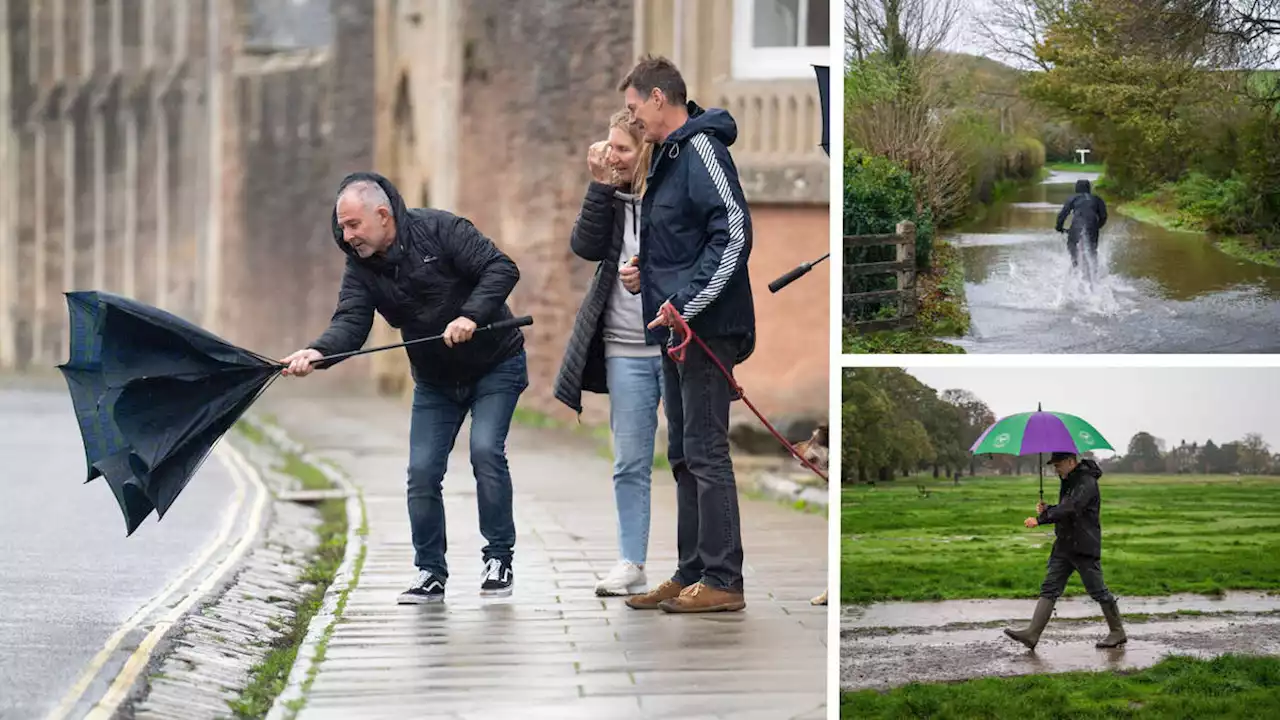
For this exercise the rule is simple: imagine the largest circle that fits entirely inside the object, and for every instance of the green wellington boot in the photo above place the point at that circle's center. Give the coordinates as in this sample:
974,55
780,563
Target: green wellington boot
1117,637
1031,635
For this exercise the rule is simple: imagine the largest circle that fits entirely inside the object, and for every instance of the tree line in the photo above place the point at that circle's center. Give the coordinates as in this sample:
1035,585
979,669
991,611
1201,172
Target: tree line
1180,97
893,425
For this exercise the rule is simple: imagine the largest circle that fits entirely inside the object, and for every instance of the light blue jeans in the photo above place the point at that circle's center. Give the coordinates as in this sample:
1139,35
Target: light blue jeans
635,386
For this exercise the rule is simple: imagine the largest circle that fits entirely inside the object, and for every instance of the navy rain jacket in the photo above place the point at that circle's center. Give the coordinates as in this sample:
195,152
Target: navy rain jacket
695,232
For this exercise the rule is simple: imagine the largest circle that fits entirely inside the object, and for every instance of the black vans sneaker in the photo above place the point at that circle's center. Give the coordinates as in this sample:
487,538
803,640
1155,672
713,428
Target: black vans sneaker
498,578
426,589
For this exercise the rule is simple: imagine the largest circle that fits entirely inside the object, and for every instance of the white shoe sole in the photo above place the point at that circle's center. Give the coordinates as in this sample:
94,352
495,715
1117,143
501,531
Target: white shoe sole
633,589
505,592
408,599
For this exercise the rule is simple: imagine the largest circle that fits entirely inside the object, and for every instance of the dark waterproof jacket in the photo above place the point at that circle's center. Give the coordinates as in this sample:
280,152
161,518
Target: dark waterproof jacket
1077,516
439,268
1088,211
597,235
695,231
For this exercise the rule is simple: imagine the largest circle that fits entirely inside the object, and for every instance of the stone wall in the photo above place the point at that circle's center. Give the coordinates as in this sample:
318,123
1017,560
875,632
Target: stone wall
539,84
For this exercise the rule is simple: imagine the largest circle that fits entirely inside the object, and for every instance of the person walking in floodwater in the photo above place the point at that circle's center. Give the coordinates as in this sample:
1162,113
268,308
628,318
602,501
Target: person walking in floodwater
1077,548
1089,215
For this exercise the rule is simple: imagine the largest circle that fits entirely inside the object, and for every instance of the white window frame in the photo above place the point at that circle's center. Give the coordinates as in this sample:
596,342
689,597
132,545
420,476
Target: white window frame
774,63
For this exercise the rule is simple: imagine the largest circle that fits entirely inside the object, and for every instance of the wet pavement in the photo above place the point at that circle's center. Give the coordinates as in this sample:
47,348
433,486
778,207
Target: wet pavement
1158,291
71,577
554,650
891,644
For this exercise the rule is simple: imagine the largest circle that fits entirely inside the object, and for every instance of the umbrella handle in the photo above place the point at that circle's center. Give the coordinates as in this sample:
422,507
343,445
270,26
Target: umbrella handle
794,274
499,325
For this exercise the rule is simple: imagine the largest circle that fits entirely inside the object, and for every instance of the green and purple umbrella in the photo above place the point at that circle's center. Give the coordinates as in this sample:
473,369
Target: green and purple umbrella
1037,433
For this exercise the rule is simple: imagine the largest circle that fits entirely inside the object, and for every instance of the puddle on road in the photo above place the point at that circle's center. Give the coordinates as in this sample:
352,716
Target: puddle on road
947,656
947,612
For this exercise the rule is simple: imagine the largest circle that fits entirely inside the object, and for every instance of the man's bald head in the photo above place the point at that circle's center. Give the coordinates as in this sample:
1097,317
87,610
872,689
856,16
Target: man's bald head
365,216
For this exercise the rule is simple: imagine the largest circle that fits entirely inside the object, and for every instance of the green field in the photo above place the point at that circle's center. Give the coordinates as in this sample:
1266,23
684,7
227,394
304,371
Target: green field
1161,535
1225,687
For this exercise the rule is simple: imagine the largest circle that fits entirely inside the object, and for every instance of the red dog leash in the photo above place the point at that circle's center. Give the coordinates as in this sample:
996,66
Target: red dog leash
679,325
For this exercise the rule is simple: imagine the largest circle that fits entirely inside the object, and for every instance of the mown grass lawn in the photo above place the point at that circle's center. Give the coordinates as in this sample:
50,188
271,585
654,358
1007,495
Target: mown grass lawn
1161,535
1225,687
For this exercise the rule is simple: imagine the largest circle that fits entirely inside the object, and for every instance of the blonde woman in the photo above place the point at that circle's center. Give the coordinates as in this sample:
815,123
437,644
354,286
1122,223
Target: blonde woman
610,351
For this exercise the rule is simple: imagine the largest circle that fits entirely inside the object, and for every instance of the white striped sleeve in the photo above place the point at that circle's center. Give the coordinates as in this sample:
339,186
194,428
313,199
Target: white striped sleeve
737,229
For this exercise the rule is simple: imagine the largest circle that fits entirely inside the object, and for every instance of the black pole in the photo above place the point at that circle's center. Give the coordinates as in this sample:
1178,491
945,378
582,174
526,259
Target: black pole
1040,462
1040,458
795,274
499,325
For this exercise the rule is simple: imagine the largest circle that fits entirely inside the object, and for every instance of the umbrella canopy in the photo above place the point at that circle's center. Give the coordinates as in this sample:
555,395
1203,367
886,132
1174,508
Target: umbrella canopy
152,394
824,90
1039,432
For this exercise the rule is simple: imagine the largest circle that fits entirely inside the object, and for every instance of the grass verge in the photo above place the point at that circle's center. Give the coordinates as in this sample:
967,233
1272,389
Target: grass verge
1152,210
1230,686
268,677
1077,167
942,312
1161,535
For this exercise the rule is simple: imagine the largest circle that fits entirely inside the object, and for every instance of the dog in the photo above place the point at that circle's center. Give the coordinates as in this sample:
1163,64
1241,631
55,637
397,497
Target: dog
815,450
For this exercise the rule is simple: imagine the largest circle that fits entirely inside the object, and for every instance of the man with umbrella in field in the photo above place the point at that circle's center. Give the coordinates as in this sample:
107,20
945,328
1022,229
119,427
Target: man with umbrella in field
430,272
1077,548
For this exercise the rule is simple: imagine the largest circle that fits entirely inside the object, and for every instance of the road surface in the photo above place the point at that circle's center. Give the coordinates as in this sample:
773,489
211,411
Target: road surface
71,577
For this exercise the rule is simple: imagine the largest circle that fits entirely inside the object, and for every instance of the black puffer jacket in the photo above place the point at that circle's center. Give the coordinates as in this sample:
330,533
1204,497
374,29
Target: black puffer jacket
1077,516
439,268
597,235
1088,211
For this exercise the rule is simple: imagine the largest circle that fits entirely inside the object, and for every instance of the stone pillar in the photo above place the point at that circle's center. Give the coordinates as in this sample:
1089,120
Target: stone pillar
8,203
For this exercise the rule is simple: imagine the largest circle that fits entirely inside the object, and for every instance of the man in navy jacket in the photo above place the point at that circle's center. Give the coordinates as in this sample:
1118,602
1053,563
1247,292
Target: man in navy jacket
695,238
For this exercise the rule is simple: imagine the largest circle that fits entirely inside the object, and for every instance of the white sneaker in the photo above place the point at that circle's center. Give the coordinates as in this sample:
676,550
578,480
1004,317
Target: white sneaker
624,579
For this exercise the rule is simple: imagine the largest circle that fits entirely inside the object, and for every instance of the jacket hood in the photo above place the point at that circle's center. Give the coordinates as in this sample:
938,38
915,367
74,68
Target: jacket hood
398,211
1090,467
1083,186
715,121
625,196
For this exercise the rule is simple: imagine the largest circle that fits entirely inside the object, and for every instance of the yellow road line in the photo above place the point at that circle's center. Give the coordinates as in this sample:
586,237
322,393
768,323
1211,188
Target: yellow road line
106,707
100,659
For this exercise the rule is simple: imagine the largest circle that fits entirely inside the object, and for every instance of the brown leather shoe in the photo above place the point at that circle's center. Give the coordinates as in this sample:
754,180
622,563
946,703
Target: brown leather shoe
650,600
699,598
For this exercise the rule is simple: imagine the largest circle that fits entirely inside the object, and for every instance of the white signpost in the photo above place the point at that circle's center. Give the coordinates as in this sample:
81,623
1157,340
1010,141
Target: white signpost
1082,152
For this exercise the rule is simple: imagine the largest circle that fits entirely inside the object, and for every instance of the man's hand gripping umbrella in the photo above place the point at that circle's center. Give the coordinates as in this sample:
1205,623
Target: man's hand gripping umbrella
668,316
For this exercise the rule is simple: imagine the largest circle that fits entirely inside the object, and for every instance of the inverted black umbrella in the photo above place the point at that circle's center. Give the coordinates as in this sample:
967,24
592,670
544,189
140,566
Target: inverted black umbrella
154,393
824,84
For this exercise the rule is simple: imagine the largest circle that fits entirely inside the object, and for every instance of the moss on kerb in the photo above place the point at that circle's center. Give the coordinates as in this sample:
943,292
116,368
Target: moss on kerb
267,678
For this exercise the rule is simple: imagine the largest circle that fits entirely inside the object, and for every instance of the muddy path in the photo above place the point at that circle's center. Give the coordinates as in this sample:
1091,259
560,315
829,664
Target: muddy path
891,644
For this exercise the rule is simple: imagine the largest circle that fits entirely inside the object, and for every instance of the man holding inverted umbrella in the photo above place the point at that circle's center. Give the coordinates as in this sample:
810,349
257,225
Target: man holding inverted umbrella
1076,516
428,272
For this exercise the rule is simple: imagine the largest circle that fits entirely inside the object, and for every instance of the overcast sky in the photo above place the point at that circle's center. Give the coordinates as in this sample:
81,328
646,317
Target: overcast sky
1195,404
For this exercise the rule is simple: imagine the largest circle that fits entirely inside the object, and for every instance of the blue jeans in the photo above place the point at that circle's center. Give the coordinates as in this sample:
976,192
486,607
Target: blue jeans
635,386
438,413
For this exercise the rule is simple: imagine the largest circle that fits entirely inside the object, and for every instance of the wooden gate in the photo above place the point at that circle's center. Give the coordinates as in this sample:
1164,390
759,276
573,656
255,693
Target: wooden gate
901,300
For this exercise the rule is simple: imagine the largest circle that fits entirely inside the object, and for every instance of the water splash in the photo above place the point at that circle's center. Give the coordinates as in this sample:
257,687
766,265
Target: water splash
1042,278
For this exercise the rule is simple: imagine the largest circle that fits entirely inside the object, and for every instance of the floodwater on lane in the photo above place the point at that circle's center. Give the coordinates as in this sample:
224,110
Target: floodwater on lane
1155,291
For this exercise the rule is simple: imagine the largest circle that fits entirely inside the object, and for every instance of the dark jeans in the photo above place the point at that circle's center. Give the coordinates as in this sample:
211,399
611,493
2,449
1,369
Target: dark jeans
696,396
1060,567
438,413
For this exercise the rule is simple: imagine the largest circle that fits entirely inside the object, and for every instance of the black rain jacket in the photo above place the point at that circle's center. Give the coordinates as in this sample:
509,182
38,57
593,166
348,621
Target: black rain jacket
439,268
